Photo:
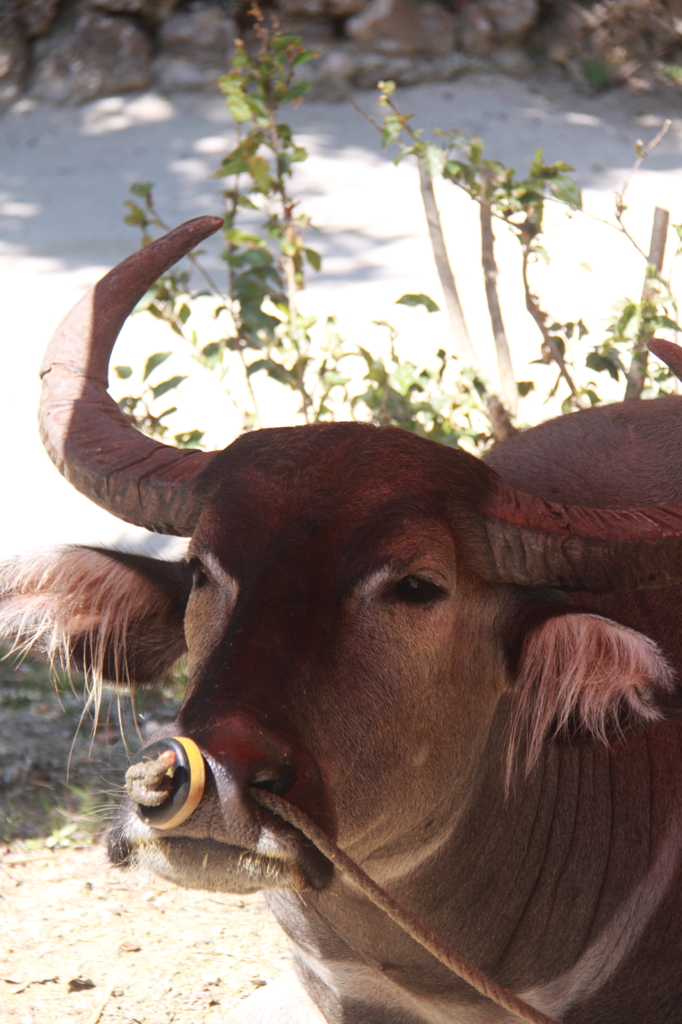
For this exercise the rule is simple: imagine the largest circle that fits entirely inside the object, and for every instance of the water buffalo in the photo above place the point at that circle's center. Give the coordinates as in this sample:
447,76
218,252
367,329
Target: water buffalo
383,630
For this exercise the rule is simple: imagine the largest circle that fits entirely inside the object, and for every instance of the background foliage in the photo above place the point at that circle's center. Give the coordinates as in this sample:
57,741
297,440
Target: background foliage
258,330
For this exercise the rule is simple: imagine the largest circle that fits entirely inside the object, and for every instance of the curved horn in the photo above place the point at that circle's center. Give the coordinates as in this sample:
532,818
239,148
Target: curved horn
539,543
86,435
669,353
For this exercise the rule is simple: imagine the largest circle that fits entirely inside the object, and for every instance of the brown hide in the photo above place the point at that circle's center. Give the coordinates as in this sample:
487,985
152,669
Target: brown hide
348,649
297,621
618,456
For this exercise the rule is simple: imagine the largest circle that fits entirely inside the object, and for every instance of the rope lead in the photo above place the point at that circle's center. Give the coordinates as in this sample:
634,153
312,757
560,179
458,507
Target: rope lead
477,979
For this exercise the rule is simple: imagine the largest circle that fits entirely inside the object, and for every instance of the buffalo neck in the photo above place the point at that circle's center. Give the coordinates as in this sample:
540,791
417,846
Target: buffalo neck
551,890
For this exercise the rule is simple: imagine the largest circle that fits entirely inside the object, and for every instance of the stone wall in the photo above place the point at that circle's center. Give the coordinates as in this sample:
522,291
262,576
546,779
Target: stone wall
70,51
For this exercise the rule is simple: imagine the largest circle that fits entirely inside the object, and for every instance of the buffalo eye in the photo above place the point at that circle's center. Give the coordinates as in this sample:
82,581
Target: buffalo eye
199,577
416,590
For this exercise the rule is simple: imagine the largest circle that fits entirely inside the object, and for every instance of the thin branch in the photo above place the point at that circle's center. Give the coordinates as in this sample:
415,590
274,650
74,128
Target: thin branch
363,113
549,345
497,413
620,196
637,373
249,384
504,363
100,1007
463,345
453,305
503,427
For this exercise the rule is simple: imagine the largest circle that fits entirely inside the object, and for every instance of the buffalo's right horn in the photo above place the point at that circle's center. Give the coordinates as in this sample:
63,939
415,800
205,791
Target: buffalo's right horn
86,435
539,543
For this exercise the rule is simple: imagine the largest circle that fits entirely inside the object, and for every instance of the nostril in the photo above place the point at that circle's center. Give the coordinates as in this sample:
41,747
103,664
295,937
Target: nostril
278,781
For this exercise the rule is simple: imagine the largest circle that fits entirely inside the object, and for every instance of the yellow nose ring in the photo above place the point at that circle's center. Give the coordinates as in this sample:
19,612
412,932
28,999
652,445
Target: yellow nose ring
166,781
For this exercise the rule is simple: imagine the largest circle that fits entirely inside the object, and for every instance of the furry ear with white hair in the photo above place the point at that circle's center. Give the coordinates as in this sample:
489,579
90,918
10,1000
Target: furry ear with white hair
582,675
112,615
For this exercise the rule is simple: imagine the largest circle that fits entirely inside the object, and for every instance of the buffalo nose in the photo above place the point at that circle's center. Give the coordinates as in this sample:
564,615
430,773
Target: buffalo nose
166,781
241,754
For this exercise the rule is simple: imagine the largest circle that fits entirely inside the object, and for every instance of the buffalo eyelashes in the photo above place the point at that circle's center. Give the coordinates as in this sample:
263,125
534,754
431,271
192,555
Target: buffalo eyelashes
416,590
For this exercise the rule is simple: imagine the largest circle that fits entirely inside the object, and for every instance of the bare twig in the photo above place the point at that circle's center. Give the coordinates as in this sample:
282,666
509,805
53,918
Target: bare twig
638,364
463,345
550,348
26,858
503,427
99,1009
504,363
644,152
497,413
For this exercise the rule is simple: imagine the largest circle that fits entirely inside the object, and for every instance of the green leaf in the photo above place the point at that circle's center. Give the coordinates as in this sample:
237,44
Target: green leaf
313,258
236,237
235,165
141,188
189,438
674,73
403,378
566,190
123,372
237,103
597,74
296,92
476,149
607,362
418,299
260,172
154,361
525,387
434,160
541,252
244,203
302,58
274,370
391,129
656,321
136,217
167,385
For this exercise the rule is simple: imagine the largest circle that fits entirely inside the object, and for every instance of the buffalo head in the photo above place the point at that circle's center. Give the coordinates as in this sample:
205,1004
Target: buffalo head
364,613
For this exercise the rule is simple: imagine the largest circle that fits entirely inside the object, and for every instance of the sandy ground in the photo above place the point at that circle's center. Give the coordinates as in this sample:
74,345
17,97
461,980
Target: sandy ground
64,173
78,936
86,939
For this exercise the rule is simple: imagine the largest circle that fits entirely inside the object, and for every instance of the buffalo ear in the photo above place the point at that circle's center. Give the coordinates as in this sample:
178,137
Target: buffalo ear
114,616
581,675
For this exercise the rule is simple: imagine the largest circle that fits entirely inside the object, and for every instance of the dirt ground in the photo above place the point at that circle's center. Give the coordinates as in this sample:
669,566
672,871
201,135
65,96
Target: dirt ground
83,941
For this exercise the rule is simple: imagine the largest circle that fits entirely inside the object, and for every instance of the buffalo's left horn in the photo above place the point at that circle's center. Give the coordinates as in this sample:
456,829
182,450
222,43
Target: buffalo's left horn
540,543
669,353
87,437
